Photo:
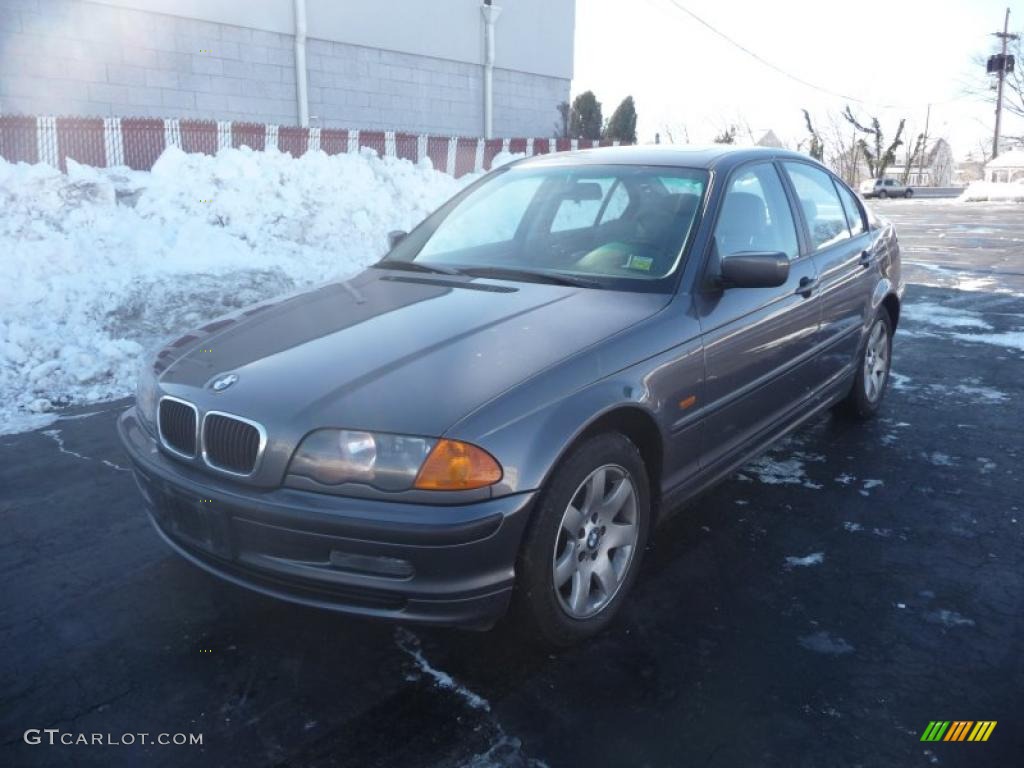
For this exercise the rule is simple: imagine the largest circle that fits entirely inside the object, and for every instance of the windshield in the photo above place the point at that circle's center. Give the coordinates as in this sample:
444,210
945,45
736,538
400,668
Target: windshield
615,226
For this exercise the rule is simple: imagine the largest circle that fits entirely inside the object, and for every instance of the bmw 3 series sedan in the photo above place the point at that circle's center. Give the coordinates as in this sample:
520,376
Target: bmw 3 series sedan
494,417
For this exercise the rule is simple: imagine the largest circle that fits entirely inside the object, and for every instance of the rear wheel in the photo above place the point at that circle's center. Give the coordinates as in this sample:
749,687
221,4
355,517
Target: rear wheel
908,194
582,551
869,385
882,194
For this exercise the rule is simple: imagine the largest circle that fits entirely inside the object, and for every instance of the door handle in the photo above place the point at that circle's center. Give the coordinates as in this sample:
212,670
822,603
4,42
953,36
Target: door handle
806,287
865,259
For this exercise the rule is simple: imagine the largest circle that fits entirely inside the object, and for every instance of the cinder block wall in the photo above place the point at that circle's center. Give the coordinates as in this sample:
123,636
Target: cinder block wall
68,57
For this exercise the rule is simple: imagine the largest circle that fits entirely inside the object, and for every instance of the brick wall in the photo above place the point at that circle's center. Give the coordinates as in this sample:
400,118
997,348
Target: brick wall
81,58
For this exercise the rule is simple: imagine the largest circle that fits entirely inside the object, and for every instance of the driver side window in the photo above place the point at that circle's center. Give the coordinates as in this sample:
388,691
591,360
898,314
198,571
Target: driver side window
756,215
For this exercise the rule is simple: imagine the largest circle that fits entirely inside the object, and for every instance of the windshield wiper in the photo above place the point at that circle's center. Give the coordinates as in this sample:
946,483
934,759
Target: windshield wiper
416,266
530,275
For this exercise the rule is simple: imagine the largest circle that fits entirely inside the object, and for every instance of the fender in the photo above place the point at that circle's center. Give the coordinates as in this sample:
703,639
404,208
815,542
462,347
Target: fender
531,444
883,288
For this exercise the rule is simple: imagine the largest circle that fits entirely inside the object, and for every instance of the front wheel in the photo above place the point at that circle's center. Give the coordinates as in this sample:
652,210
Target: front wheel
583,548
865,396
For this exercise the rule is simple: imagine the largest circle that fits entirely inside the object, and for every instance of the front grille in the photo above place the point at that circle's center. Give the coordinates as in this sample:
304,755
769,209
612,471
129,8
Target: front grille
177,422
230,443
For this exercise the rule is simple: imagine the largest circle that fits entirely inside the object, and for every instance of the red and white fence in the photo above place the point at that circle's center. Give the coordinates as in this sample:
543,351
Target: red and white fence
138,141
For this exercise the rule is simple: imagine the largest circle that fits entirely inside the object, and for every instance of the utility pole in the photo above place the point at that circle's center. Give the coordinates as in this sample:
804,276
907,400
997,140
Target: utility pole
1001,74
924,146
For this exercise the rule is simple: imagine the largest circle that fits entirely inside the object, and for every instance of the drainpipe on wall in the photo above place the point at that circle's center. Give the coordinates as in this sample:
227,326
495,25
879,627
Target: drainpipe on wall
490,14
301,89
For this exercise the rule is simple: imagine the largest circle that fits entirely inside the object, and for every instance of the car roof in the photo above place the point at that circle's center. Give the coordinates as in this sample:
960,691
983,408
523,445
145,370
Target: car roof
711,157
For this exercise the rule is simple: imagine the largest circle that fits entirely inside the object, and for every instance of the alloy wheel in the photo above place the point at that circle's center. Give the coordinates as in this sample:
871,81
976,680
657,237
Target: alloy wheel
595,542
876,362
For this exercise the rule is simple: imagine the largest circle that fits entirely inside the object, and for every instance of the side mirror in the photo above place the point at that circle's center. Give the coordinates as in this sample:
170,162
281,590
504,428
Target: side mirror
754,269
395,237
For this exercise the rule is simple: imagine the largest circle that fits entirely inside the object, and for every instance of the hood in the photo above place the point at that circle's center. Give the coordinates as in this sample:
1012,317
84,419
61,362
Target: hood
392,351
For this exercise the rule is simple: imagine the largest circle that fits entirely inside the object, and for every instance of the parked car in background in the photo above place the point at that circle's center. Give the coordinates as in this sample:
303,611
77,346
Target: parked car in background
500,411
883,188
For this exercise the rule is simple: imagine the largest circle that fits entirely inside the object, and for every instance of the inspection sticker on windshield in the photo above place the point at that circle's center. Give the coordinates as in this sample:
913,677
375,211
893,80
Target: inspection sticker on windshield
639,262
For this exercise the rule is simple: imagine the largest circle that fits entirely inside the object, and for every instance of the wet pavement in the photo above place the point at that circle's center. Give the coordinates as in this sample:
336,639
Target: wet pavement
818,609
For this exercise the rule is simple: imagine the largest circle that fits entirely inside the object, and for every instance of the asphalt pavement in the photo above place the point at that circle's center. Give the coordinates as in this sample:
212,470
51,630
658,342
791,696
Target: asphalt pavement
818,609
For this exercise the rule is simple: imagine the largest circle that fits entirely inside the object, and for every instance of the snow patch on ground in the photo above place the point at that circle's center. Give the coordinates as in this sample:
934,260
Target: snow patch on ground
939,459
948,619
947,277
994,191
101,265
943,317
410,644
823,642
974,390
1009,339
899,382
771,469
815,558
506,752
54,434
988,394
869,484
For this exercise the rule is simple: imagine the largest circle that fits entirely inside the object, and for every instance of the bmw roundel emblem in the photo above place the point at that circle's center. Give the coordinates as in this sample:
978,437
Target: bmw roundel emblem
219,385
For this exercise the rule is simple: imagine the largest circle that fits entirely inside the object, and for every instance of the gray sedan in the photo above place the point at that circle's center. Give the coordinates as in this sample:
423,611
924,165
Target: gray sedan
498,413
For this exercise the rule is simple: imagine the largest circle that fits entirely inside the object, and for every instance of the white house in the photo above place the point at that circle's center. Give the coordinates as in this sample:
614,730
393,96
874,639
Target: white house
1008,166
439,66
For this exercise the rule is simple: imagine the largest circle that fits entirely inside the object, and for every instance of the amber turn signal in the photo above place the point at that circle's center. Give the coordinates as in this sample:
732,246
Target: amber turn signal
455,466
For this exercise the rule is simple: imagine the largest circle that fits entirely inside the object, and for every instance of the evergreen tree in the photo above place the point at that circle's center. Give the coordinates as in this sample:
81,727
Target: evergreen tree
622,124
585,121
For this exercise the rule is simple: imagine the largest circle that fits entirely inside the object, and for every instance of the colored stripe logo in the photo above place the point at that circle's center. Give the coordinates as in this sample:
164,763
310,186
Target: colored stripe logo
958,730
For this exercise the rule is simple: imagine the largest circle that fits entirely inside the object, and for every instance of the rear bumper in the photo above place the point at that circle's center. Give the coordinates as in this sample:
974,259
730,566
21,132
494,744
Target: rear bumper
447,565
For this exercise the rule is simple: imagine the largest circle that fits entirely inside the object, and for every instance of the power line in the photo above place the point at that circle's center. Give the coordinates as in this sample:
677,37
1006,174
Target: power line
757,57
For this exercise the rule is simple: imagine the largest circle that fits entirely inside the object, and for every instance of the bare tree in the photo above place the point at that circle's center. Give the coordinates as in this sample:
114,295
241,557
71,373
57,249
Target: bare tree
877,158
842,153
913,155
815,146
980,83
677,133
744,127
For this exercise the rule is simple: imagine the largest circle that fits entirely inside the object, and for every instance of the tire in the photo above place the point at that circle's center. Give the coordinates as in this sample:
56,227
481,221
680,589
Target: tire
882,195
604,561
908,194
873,366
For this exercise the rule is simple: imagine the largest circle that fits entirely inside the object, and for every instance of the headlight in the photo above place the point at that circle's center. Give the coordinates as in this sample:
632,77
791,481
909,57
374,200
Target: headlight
393,462
146,395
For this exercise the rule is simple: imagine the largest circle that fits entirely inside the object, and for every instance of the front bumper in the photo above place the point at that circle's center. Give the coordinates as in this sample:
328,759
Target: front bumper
447,565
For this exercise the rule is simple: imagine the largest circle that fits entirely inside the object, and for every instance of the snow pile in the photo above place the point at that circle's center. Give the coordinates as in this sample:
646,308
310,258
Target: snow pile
100,265
995,191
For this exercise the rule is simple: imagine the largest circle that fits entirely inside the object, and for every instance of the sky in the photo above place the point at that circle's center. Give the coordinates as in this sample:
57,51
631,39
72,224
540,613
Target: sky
895,56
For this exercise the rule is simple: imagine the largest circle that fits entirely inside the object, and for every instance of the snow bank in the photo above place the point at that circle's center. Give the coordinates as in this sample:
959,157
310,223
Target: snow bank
100,265
995,191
